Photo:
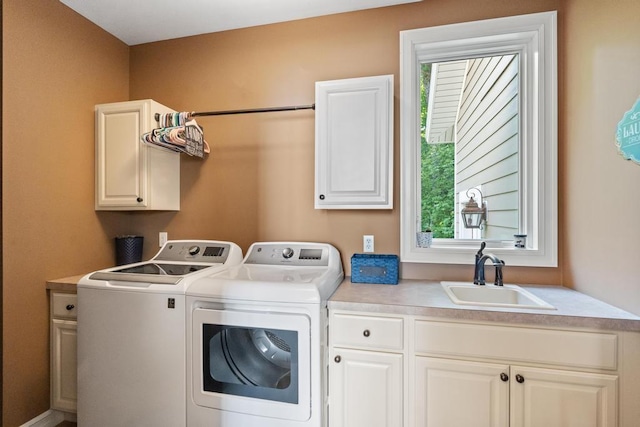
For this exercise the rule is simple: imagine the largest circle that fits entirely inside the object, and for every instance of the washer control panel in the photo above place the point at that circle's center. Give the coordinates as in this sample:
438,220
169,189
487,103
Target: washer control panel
298,254
194,251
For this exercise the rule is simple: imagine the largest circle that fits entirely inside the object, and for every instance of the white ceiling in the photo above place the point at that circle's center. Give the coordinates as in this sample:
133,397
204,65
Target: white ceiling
143,21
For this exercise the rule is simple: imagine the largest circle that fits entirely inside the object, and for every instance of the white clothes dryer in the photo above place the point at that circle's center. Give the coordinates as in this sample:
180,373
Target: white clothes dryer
132,335
256,338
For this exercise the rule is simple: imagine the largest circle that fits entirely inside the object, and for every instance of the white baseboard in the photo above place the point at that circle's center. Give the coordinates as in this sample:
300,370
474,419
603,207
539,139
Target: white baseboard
51,418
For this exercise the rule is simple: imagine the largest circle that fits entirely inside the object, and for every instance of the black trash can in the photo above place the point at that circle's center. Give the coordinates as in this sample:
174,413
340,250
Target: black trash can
128,249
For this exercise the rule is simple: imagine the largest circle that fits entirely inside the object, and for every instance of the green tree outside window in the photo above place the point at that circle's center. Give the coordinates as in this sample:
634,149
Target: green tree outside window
437,174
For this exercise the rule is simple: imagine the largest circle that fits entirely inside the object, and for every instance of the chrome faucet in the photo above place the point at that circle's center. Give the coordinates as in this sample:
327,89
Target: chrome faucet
481,259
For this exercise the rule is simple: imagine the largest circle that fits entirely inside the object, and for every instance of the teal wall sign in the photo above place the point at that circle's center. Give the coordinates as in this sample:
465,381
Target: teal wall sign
628,134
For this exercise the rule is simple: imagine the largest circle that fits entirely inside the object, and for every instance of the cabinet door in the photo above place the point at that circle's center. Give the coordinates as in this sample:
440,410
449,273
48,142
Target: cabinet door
121,159
354,143
452,393
63,365
365,389
129,174
555,398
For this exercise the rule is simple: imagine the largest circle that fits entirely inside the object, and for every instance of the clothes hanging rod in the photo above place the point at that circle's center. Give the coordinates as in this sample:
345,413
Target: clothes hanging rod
249,111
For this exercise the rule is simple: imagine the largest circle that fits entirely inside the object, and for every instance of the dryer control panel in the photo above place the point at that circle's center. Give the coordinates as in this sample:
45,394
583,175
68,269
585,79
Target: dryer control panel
297,254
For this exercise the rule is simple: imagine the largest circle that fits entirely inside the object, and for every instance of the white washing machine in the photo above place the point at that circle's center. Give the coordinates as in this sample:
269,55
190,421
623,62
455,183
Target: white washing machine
132,335
256,338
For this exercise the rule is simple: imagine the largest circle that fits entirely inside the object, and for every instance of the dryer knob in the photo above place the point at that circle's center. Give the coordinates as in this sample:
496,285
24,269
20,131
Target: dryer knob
287,253
193,250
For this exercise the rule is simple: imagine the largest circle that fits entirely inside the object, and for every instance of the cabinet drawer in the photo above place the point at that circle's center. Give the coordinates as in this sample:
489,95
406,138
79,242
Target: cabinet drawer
515,344
64,305
367,331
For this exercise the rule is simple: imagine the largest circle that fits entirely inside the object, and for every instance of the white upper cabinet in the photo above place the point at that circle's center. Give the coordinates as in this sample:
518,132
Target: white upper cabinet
354,143
131,175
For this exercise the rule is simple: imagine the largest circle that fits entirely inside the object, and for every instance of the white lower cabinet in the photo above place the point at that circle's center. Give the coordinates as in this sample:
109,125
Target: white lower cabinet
460,393
464,393
557,398
365,389
401,370
64,337
366,371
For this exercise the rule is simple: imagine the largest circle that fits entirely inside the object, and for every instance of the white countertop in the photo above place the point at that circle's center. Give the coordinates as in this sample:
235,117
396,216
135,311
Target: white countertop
428,298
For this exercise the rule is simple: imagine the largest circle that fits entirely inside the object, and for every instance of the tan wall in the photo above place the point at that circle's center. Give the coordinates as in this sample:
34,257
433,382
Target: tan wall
600,195
257,184
56,67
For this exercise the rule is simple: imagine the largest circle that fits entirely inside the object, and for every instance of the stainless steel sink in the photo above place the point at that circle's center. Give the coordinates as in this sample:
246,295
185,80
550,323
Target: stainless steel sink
495,296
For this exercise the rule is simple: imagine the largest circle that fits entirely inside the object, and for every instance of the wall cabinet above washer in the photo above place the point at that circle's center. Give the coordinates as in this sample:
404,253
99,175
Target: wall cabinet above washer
354,143
131,175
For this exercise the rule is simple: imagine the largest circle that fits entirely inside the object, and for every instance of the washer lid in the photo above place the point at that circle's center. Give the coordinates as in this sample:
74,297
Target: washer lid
151,272
177,261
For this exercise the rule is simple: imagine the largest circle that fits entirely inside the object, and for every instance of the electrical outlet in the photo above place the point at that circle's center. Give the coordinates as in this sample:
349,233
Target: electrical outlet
163,236
367,243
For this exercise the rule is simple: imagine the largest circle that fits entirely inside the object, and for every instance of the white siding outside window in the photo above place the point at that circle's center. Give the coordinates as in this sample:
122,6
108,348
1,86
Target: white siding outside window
487,142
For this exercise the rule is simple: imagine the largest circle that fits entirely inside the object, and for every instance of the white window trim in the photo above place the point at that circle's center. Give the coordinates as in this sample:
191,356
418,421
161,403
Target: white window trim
534,37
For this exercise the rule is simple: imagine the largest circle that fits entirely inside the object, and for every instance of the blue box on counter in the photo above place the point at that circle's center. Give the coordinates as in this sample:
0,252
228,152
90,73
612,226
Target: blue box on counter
374,268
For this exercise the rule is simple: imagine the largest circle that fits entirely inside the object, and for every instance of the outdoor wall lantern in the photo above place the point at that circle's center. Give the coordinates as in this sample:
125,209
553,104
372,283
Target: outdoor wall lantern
472,214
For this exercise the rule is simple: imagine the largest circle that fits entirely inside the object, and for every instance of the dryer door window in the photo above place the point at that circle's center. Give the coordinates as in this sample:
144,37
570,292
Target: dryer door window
252,362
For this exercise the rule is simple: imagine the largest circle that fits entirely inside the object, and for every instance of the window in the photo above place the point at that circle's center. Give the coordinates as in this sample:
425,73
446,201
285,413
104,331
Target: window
479,114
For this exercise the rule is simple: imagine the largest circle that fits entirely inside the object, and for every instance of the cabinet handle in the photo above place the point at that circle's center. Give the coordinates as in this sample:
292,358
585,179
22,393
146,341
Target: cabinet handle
519,378
366,333
322,197
70,307
338,359
504,377
139,199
